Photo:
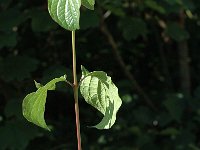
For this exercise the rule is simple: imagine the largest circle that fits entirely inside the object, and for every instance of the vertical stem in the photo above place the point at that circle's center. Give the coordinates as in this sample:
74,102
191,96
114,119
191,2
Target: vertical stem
76,92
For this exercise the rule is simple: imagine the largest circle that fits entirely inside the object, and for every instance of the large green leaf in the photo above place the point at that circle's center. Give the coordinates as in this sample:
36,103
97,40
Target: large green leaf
88,4
65,12
33,106
99,91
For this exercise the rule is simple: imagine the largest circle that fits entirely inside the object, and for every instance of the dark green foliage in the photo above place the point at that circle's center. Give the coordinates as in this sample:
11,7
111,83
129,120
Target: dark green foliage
147,35
89,19
17,68
176,32
41,21
132,28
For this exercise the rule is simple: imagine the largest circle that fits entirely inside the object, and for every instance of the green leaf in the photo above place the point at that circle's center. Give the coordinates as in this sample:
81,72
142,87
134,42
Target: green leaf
176,32
8,39
155,6
12,18
170,131
65,12
56,71
175,106
85,72
38,85
173,2
99,91
115,7
88,4
132,28
33,106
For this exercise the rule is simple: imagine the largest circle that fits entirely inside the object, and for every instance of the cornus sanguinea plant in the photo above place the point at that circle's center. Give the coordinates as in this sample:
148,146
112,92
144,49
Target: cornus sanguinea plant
96,87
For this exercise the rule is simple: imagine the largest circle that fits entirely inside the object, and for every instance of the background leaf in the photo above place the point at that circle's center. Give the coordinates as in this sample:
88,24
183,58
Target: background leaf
132,28
88,4
8,39
176,32
154,6
16,135
175,106
17,67
89,19
11,18
41,21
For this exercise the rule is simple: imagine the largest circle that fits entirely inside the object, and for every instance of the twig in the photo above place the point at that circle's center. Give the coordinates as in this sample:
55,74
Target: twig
123,66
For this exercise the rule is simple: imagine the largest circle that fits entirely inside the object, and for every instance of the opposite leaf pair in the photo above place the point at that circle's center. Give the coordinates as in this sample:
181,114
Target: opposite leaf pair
96,87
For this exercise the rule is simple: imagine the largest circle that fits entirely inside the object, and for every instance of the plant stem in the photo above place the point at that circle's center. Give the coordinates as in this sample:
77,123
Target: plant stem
76,92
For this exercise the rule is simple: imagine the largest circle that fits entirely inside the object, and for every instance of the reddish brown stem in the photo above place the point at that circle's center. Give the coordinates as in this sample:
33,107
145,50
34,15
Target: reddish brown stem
76,92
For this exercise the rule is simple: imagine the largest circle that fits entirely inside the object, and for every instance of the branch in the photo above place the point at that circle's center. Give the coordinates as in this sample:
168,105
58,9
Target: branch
123,65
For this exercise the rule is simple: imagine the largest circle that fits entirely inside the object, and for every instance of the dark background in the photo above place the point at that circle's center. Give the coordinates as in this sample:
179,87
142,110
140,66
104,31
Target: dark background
151,50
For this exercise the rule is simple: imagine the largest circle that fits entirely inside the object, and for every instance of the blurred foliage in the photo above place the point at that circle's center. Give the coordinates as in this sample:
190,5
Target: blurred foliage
147,34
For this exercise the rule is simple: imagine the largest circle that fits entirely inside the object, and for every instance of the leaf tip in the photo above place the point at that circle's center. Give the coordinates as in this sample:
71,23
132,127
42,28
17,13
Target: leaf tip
48,129
84,70
82,67
37,85
65,76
